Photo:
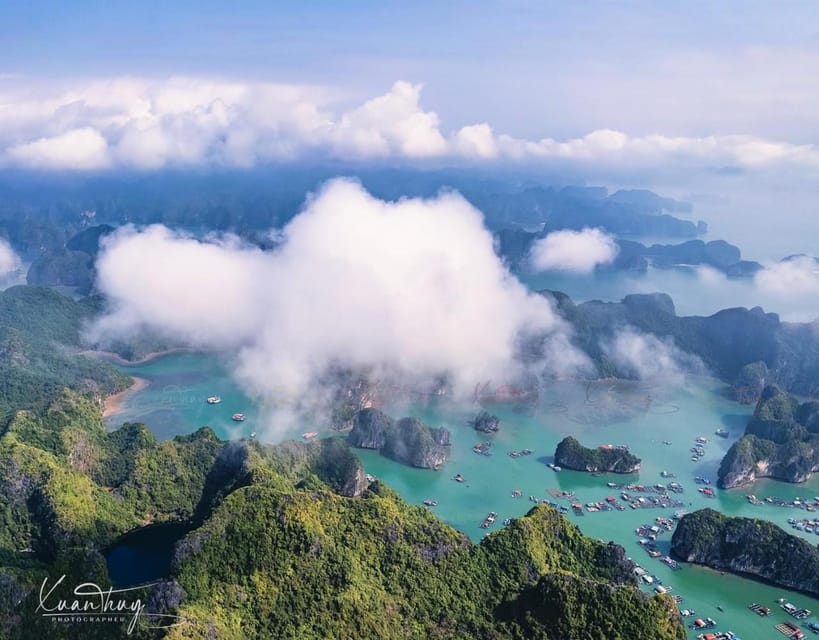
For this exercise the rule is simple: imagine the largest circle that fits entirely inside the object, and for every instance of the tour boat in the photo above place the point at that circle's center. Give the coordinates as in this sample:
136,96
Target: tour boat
238,417
309,435
214,400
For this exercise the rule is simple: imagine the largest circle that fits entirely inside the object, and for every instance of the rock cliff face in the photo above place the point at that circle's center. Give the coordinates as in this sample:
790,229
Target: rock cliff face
486,422
757,548
408,440
572,455
781,441
746,347
370,427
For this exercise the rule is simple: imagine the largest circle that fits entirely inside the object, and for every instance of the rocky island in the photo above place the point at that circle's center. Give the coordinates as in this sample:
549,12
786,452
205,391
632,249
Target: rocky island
755,548
570,454
746,347
407,440
781,441
486,422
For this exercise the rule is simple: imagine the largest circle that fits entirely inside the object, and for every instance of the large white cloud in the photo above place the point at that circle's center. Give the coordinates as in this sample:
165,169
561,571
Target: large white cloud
410,288
150,124
573,251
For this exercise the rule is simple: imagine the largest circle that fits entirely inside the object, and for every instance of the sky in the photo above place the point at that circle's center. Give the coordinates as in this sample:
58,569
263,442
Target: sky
531,69
713,102
710,102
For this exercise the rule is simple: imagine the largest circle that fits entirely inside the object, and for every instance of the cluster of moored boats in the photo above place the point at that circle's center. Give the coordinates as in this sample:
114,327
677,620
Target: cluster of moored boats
806,504
808,526
489,520
791,609
698,450
483,448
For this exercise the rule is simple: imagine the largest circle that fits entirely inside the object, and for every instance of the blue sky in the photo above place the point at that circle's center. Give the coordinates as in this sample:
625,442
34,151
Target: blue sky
529,68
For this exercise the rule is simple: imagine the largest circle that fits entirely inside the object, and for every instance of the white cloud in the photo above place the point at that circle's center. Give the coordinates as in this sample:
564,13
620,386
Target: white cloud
82,148
795,277
390,125
574,251
412,288
650,358
150,124
9,260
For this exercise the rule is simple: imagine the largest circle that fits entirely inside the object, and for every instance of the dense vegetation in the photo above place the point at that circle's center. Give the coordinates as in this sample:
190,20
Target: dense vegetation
288,541
39,340
573,455
323,566
757,548
781,441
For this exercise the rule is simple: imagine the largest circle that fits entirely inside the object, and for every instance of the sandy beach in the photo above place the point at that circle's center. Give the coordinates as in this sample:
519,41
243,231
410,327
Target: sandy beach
113,402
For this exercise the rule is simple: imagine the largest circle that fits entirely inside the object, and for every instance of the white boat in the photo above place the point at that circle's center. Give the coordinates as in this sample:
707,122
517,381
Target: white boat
238,417
309,435
214,400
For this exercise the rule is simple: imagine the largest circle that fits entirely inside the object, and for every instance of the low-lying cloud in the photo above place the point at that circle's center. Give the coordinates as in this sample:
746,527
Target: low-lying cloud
647,357
410,288
797,276
188,122
9,260
573,251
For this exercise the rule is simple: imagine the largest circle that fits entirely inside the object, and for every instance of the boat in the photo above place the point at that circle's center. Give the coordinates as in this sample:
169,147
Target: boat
759,609
458,477
214,400
309,435
238,417
722,433
252,434
482,448
488,520
429,502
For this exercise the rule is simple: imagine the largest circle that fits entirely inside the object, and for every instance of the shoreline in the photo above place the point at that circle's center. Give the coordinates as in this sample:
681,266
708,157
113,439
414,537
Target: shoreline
113,403
110,355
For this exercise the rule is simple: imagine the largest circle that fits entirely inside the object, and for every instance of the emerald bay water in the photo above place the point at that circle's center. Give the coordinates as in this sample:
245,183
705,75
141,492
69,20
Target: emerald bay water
641,415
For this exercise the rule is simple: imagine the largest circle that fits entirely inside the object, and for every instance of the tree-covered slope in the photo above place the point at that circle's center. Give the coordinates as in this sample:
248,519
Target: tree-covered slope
40,333
753,547
273,563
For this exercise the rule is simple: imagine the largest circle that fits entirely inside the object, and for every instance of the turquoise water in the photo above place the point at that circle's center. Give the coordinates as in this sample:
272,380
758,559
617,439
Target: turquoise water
640,415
